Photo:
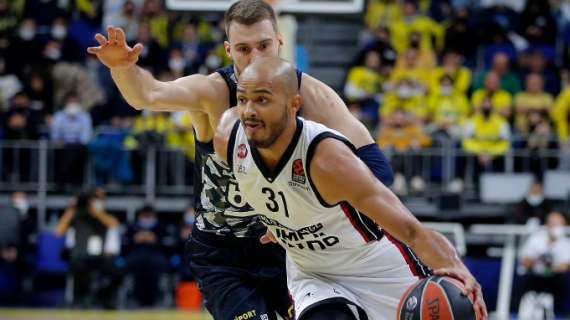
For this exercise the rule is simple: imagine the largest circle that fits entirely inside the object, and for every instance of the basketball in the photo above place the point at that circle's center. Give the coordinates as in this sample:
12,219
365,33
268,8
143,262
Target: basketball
435,297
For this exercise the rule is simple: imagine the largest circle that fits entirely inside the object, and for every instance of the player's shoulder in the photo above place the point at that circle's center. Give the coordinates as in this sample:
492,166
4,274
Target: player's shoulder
223,132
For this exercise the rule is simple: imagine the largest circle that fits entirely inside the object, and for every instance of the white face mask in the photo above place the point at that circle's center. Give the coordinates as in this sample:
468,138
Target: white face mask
556,232
22,205
58,32
53,53
176,64
27,33
534,200
446,90
213,61
405,92
72,109
98,205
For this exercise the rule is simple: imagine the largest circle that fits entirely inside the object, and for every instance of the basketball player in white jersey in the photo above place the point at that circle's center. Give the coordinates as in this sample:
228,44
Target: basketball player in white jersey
238,276
324,206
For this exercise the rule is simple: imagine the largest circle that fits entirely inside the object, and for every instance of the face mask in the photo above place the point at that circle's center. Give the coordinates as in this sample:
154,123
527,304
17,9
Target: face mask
534,200
22,206
176,64
213,62
58,32
405,92
53,53
556,232
27,33
446,90
147,223
72,109
98,205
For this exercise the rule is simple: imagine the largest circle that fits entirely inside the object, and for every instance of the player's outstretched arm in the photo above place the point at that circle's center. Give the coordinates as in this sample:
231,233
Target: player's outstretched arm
141,89
223,132
340,176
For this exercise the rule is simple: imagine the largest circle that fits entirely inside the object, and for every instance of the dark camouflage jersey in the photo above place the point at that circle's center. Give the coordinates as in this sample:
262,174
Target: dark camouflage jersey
220,208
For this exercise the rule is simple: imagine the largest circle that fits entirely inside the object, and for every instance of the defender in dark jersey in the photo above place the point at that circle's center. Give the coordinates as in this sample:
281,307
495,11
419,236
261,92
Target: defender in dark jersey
238,276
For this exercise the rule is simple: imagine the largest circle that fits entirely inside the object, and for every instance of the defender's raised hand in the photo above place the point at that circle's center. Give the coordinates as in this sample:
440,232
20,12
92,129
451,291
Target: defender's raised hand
114,51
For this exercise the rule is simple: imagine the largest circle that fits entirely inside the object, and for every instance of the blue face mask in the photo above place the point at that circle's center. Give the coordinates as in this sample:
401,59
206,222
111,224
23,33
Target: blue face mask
147,223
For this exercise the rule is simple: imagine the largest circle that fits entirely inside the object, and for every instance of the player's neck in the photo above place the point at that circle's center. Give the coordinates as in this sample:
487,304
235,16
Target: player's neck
274,153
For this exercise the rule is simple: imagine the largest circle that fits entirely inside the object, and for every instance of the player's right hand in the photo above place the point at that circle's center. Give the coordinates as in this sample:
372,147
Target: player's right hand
268,237
113,51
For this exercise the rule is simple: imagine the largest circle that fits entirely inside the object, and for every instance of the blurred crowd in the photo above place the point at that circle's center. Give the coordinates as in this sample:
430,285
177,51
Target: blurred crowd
489,75
101,258
51,89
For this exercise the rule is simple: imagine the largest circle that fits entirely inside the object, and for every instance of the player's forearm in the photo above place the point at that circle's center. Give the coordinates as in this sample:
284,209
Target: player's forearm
435,250
136,85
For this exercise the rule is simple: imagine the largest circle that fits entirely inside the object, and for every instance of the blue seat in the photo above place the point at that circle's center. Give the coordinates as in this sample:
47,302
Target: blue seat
50,248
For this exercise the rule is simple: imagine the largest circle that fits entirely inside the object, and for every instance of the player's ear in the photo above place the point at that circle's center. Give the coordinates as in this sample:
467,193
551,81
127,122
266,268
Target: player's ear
227,49
296,102
280,39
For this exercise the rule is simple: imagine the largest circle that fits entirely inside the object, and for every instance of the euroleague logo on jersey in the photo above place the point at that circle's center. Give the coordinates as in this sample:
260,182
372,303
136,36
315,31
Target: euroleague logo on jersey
298,172
242,151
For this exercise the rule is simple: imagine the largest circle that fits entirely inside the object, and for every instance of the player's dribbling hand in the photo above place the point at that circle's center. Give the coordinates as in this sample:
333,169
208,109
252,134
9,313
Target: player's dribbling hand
113,51
268,237
472,288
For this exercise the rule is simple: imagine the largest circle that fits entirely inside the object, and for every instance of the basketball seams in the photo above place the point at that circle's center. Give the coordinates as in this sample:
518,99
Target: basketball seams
444,293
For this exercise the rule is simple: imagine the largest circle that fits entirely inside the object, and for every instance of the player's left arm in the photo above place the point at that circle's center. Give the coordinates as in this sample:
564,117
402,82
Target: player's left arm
322,104
339,176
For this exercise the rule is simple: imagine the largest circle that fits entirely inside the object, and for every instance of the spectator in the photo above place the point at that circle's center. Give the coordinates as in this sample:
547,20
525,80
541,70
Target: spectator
403,134
124,15
43,12
407,96
11,245
95,245
144,259
153,14
533,99
364,85
460,34
193,50
545,258
501,99
9,85
382,13
71,130
533,208
8,20
412,21
537,23
448,109
509,81
487,139
152,55
536,62
177,64
40,90
453,68
415,67
70,49
20,123
25,49
381,44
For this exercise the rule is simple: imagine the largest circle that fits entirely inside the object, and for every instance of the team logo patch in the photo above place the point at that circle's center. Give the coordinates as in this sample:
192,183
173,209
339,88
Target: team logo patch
298,174
242,151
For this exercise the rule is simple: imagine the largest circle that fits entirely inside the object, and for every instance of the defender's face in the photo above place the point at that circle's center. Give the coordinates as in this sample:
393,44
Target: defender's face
248,42
262,107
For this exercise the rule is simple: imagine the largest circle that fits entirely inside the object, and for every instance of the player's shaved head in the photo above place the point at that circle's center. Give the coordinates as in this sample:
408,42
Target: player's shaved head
271,70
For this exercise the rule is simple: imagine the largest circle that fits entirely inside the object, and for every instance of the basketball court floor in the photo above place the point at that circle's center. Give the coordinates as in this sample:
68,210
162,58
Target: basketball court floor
27,314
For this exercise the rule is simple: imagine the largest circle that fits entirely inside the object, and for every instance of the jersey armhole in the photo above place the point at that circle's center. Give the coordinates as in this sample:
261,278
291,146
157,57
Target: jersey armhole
231,145
311,153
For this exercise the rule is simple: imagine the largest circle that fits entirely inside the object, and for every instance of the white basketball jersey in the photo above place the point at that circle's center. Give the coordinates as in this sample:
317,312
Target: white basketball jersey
289,204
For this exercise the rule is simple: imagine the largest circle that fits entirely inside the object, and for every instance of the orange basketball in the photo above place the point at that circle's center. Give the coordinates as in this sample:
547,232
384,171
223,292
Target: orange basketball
436,297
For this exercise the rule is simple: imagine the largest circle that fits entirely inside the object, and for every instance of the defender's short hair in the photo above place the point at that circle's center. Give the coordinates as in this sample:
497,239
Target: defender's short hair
248,12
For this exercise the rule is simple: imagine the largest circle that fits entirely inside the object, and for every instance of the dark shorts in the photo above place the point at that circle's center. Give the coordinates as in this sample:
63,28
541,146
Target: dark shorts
240,278
373,157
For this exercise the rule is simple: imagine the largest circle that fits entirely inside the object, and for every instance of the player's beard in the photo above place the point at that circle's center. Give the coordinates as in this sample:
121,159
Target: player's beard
274,132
